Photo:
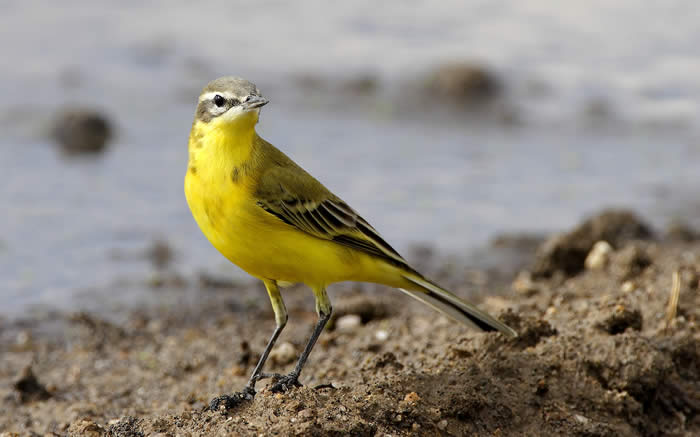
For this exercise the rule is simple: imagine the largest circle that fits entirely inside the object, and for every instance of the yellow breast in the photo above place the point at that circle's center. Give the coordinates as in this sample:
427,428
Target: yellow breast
221,197
218,197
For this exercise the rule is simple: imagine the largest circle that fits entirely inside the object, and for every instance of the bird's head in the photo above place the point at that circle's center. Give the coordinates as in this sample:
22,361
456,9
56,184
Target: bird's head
230,101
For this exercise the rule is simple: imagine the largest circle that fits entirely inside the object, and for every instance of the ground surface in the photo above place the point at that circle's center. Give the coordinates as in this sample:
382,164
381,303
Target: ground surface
594,357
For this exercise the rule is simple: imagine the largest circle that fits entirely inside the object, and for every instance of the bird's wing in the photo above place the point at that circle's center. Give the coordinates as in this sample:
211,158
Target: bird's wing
299,200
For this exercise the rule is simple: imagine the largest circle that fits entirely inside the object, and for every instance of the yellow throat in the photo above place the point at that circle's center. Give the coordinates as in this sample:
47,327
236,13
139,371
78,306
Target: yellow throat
222,143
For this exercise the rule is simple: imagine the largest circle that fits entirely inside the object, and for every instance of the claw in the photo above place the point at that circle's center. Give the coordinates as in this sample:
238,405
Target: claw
285,383
224,403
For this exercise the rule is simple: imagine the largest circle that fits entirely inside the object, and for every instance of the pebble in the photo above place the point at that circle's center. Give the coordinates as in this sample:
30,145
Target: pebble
381,335
599,256
442,425
283,354
82,130
86,427
411,398
581,419
627,286
348,323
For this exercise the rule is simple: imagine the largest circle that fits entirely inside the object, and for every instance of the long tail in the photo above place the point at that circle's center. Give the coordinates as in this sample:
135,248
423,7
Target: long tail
452,306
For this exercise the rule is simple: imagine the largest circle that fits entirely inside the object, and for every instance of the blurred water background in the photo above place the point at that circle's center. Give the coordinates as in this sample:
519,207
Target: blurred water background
598,105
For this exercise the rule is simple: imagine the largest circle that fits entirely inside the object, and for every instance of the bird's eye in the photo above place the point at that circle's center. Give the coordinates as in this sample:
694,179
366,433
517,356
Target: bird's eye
219,100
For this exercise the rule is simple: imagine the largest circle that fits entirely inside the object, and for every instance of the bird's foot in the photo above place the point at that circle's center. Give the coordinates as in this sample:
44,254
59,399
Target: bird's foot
224,403
284,383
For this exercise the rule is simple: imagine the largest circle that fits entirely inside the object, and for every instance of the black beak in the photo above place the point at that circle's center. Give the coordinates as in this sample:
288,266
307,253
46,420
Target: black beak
252,102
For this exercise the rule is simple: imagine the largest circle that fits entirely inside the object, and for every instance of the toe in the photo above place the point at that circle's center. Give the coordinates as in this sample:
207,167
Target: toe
285,383
225,403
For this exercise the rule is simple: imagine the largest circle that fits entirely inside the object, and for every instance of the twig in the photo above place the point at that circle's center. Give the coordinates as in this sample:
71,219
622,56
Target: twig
672,308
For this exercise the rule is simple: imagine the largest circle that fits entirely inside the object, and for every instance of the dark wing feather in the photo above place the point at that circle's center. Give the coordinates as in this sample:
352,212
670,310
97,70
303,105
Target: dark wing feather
328,218
335,221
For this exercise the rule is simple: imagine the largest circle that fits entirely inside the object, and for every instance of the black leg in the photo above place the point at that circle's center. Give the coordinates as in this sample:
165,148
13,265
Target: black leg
324,310
255,376
248,392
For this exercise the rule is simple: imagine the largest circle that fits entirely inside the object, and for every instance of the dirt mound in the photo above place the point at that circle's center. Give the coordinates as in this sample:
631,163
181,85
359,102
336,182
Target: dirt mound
565,253
596,356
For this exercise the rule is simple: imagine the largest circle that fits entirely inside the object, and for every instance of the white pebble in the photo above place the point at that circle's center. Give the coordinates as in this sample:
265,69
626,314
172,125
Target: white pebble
581,419
599,256
381,335
283,354
348,323
627,287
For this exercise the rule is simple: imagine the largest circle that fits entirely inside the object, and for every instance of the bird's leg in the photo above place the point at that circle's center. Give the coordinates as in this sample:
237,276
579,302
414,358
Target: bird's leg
248,392
324,310
281,320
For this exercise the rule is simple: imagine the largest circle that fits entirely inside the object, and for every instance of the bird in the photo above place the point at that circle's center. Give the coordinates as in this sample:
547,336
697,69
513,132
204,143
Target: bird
275,221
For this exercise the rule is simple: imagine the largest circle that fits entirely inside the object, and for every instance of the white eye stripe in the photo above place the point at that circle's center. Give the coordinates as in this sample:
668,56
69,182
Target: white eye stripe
211,95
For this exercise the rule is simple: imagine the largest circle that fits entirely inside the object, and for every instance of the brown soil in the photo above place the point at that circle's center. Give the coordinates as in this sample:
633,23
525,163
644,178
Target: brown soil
594,358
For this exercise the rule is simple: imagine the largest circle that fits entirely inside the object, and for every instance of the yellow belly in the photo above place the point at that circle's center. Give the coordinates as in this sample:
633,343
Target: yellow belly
263,245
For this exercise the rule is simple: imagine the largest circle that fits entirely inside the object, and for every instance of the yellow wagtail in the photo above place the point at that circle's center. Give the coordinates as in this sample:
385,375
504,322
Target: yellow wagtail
274,220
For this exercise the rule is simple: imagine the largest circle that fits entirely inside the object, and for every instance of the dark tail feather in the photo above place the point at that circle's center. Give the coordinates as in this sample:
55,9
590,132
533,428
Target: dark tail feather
452,306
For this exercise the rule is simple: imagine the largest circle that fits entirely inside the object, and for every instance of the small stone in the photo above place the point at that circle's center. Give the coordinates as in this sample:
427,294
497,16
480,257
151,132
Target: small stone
82,130
599,256
381,335
348,323
523,284
581,419
627,287
284,354
411,398
442,425
85,427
